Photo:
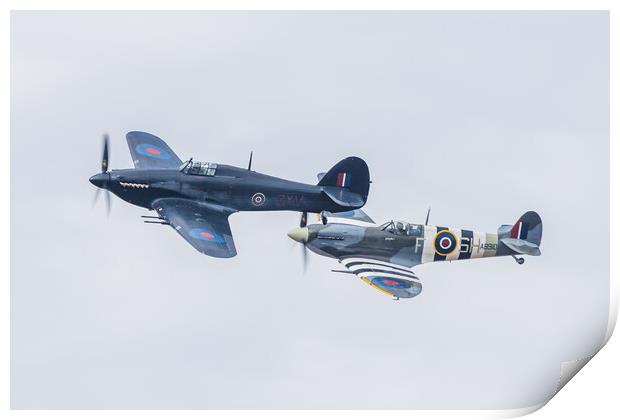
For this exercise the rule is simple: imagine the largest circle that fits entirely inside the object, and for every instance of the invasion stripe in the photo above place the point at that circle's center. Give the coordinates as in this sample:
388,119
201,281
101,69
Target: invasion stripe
467,237
354,265
350,261
387,273
428,247
476,246
380,268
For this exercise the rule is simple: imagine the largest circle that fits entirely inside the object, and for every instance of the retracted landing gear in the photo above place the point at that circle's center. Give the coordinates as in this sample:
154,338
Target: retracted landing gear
519,260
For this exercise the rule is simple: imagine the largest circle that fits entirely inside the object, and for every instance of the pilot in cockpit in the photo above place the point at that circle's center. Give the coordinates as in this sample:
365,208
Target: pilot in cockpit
198,168
397,228
402,227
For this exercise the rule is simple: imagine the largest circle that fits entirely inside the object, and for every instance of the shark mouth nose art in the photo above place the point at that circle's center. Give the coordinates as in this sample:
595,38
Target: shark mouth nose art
133,185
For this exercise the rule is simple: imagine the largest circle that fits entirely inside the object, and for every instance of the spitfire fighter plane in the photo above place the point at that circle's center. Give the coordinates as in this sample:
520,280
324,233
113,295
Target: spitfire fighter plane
196,198
383,255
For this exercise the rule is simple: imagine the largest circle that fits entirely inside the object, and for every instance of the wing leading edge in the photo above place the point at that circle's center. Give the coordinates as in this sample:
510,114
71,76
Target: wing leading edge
391,279
205,226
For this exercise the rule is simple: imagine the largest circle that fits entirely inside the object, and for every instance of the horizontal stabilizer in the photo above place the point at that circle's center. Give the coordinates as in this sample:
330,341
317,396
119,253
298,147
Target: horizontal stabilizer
521,246
357,214
344,197
524,237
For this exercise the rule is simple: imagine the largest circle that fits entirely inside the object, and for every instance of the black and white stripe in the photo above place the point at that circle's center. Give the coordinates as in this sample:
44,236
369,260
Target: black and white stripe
364,267
467,239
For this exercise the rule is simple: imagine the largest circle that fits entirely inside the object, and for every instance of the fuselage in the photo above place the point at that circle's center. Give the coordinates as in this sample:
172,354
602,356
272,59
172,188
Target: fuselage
402,243
237,188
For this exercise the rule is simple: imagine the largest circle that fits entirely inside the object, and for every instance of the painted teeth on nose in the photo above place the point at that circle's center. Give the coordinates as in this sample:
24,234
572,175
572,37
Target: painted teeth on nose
132,185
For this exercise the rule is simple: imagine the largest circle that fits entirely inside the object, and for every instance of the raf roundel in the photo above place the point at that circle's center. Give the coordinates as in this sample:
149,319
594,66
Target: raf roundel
445,242
258,199
206,235
390,282
152,151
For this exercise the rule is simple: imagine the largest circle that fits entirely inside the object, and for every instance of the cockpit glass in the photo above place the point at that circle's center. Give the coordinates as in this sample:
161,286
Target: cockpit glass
199,168
386,225
397,228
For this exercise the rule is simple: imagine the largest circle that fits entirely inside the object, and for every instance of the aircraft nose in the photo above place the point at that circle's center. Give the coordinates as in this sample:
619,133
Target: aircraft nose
299,234
99,180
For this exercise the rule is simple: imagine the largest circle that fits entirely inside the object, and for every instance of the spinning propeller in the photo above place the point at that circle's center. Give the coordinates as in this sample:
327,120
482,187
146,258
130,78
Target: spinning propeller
300,235
101,180
304,257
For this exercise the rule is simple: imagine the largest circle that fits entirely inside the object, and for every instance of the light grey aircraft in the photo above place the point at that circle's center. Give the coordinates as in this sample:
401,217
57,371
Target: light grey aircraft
383,255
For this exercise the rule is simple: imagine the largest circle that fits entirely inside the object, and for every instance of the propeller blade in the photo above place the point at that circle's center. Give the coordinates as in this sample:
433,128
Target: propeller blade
96,197
108,201
304,257
304,219
106,153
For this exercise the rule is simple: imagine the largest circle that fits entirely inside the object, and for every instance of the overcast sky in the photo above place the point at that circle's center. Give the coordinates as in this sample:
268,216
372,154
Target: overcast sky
482,116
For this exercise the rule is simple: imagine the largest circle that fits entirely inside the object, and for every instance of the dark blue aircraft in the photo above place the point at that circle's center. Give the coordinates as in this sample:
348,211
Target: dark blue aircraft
196,198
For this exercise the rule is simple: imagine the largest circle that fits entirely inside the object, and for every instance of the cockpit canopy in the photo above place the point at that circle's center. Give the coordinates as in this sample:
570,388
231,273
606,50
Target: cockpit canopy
400,228
199,168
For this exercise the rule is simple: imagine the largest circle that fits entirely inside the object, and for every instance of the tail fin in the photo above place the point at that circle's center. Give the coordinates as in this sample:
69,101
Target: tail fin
523,237
350,175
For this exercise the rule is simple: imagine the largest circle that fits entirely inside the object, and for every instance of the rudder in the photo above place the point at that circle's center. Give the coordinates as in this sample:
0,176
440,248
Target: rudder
528,228
524,237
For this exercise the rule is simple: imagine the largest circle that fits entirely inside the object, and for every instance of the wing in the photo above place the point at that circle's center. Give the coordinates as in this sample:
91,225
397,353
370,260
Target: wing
358,215
151,152
394,280
204,226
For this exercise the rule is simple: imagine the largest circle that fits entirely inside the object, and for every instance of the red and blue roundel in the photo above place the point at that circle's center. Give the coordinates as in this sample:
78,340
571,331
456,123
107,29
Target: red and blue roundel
390,282
152,151
206,235
445,242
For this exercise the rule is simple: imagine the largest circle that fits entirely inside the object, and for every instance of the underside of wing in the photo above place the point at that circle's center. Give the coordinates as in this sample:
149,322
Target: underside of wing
151,152
204,226
392,279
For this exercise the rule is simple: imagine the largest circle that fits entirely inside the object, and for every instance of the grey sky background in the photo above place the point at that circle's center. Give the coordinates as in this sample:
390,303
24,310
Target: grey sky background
480,115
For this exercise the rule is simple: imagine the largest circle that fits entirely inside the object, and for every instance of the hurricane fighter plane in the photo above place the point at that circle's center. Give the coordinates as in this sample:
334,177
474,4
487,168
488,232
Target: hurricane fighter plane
383,255
196,198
